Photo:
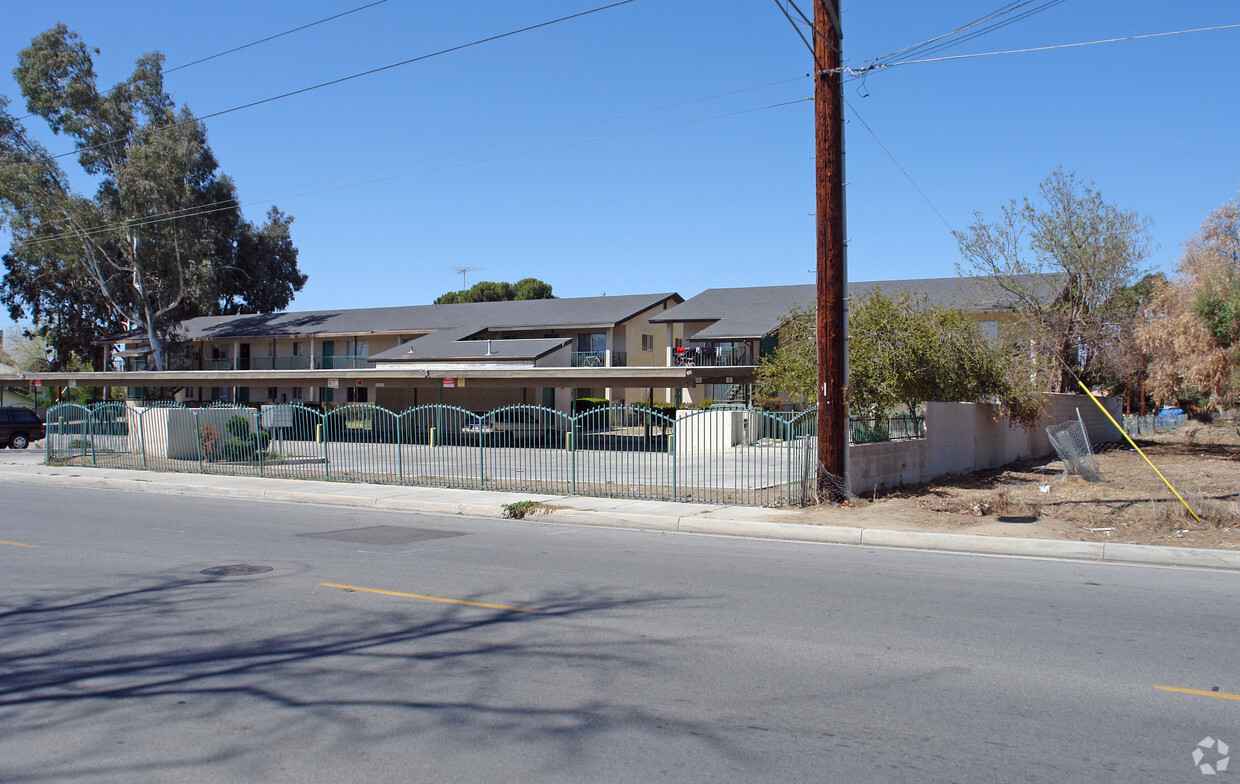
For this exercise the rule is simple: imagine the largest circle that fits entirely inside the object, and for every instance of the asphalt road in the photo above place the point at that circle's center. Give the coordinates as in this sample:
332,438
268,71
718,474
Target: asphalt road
581,654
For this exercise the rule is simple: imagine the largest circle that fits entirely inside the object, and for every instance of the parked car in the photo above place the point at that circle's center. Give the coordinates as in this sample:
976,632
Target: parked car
512,426
19,426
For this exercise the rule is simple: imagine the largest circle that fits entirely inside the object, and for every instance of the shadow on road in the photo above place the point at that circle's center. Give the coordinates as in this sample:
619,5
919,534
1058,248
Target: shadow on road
187,663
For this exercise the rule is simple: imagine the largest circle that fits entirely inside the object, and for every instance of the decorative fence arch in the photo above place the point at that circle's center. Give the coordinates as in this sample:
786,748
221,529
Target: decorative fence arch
717,455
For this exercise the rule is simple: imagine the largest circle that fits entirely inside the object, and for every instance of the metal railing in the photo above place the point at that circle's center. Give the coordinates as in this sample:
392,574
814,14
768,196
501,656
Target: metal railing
280,363
718,455
598,359
898,427
712,356
588,359
341,362
729,456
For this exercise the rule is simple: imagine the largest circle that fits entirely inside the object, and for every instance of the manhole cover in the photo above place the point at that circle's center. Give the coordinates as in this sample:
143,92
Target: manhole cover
235,570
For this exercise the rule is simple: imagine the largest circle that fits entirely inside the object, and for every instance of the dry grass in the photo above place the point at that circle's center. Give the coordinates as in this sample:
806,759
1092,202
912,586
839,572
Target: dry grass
1131,504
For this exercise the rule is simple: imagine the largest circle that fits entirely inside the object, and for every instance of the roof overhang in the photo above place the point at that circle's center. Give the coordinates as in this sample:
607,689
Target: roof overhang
559,377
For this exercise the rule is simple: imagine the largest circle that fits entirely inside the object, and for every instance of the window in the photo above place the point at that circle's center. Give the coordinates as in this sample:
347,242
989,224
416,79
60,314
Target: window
647,342
297,349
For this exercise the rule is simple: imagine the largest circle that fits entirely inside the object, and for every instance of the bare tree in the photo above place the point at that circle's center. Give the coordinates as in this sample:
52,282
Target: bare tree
1060,260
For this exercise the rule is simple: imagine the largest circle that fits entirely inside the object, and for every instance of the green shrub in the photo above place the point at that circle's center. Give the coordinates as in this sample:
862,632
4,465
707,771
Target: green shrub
583,404
240,449
237,426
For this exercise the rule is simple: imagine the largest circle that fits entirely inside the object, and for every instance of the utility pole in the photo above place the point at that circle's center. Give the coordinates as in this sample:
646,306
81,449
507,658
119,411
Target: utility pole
829,165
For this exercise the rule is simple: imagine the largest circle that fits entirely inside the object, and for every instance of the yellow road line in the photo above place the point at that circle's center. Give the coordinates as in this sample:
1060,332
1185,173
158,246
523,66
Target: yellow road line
1220,694
19,544
428,598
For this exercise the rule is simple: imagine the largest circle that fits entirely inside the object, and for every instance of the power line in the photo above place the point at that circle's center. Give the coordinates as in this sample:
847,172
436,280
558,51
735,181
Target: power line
898,166
173,214
552,132
1044,48
998,25
946,40
371,72
213,207
277,35
252,43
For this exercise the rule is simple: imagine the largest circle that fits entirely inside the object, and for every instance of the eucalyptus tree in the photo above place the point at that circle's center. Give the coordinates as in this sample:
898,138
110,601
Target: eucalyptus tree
160,240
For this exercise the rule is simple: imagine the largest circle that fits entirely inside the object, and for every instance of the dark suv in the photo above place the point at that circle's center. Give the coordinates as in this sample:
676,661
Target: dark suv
19,426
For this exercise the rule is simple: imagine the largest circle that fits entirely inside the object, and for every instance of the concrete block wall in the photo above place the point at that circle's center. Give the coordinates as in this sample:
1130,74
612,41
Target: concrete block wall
965,437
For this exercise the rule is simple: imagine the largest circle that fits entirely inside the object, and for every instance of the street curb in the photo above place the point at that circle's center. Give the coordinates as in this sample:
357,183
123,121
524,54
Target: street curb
557,510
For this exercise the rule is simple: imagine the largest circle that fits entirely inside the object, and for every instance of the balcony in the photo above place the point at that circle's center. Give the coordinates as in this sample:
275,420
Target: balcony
589,359
136,364
341,362
280,363
712,356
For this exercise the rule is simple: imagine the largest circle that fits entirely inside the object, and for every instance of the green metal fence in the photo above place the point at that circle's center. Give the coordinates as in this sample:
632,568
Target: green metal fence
723,455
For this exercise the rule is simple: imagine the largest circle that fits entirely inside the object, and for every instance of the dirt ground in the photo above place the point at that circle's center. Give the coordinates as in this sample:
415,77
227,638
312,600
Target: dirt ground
1131,504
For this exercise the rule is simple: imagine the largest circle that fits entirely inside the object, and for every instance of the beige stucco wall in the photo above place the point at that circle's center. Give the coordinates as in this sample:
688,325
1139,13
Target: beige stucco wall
964,437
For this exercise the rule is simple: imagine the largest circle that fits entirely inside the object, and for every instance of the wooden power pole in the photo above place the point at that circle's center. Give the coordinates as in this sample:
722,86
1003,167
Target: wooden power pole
829,160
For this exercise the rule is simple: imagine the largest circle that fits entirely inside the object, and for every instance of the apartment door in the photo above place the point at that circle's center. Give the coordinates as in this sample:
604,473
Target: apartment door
243,356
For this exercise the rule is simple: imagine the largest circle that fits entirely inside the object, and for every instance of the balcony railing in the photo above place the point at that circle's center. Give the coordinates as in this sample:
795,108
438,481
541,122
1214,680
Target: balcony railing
589,359
135,364
280,363
341,362
712,356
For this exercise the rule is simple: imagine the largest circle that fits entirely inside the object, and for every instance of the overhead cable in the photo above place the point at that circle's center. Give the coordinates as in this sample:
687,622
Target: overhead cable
253,43
277,35
372,71
207,209
860,71
901,168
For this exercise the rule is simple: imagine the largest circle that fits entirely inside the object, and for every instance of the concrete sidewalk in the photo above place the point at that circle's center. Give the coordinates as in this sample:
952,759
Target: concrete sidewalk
758,522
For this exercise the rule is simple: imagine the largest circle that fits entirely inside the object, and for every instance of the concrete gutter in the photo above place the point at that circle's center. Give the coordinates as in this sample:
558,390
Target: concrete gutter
715,519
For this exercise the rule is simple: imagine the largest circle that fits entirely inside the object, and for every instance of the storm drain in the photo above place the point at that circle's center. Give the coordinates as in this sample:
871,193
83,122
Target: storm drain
235,570
384,534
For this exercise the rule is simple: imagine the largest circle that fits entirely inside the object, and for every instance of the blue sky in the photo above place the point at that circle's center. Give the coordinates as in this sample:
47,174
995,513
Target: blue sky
663,199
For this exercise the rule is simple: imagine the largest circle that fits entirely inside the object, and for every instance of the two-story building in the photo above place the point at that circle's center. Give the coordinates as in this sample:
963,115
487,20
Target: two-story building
586,332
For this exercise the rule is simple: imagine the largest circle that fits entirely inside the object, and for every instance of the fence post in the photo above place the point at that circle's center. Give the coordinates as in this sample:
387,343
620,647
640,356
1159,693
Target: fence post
320,433
400,452
90,438
258,438
434,433
482,462
142,438
788,431
572,456
198,438
671,450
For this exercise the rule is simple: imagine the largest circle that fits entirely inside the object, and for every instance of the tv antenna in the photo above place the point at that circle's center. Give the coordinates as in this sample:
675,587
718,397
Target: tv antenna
463,271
